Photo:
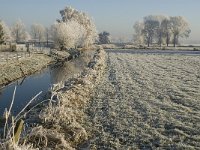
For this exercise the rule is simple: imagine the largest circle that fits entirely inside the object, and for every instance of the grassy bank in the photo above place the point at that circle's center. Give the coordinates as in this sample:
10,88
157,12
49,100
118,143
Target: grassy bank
61,120
15,69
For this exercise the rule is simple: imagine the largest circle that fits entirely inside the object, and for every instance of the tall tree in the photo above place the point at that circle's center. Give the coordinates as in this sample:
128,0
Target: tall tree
69,14
68,35
179,28
166,29
150,29
1,34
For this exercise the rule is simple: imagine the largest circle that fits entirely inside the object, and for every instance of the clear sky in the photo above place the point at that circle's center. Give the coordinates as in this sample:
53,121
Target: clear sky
114,16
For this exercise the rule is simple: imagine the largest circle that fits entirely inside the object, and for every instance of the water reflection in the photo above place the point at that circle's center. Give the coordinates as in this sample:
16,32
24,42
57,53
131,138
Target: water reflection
41,81
67,70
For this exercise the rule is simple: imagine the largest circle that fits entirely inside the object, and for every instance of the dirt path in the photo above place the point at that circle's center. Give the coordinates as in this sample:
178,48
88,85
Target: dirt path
146,101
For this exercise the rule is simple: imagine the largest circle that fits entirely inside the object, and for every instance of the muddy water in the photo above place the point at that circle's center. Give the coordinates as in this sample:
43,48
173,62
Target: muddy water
29,86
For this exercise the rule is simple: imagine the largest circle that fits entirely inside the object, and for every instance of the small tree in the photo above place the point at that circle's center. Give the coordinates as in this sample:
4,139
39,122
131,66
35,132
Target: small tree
104,38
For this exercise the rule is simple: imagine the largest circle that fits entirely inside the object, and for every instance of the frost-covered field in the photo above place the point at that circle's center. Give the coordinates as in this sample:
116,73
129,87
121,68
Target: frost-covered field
147,101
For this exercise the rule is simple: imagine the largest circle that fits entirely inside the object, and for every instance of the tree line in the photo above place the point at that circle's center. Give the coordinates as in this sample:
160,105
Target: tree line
160,30
74,29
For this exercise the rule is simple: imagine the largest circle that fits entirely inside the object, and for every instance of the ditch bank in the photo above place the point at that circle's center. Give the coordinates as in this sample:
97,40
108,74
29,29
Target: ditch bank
61,121
16,69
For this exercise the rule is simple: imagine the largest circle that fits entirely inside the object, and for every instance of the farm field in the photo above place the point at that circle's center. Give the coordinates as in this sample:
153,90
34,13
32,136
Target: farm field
146,101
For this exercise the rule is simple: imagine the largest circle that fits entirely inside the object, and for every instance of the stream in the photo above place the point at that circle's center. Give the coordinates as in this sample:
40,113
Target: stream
43,80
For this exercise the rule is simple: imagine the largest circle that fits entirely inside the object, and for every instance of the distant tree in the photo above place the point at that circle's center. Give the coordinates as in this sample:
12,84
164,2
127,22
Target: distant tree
5,34
166,29
38,32
150,29
104,38
1,34
19,32
138,38
159,29
179,28
47,35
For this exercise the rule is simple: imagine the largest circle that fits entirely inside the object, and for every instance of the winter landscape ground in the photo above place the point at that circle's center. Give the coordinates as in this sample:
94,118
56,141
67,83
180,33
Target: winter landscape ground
146,101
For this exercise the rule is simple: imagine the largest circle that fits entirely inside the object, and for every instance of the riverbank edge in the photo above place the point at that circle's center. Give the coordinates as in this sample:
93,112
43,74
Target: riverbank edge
62,119
142,47
12,71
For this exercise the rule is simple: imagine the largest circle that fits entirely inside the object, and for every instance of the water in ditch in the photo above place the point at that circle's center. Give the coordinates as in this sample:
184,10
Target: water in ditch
43,80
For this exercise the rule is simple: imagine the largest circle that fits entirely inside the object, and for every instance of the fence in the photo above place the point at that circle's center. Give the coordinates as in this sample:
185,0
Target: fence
6,56
40,50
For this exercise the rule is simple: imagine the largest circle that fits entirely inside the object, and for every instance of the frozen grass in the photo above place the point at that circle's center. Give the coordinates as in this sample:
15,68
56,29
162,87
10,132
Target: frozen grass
18,68
13,128
146,102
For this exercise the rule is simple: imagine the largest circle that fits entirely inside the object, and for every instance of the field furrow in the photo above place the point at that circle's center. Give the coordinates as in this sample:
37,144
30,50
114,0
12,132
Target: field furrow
147,101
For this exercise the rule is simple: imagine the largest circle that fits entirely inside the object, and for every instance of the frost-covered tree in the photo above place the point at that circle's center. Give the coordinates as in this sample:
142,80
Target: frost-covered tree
5,34
38,32
1,34
179,28
166,30
70,14
159,36
68,35
138,38
104,38
19,32
150,29
159,29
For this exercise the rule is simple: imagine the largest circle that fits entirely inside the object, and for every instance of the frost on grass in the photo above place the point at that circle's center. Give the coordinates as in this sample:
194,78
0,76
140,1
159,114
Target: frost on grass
146,102
61,126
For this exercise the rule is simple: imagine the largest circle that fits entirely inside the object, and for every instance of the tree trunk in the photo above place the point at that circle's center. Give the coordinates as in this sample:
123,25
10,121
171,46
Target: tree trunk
174,40
167,40
148,41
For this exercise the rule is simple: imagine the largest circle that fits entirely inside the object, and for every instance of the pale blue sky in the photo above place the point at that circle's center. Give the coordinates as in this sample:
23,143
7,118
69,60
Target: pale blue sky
114,16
